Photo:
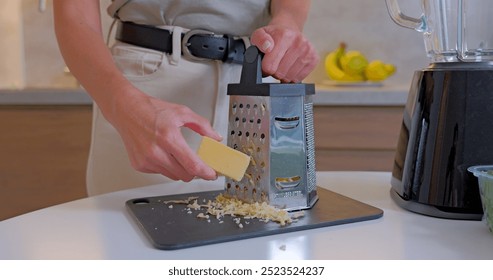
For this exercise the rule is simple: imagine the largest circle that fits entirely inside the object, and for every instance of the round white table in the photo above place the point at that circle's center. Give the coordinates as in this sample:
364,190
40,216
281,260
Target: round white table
100,227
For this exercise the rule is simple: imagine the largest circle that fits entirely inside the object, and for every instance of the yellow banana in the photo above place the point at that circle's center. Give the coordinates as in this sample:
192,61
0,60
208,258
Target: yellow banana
353,62
377,70
352,66
333,66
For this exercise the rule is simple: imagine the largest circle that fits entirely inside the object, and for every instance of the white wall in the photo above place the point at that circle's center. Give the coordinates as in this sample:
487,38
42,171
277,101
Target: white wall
11,55
29,54
363,24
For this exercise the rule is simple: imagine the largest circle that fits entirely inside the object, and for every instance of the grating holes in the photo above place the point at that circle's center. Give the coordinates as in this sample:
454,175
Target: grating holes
263,197
246,151
262,138
248,176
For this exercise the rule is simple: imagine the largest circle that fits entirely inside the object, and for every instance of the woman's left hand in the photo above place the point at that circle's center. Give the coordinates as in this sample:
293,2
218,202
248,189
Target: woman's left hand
288,55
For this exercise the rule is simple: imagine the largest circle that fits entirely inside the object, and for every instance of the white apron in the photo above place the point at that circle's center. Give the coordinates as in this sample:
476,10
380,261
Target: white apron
201,86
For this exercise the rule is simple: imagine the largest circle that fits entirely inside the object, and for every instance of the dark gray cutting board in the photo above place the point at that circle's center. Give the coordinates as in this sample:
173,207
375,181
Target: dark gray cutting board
174,228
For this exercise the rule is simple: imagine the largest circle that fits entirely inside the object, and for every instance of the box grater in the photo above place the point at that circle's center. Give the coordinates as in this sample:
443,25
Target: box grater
273,123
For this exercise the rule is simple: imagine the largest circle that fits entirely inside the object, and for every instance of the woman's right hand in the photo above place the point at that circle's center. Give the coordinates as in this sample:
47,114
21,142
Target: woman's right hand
151,131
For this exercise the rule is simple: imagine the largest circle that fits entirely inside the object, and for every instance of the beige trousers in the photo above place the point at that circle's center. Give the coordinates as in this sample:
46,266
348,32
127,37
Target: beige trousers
202,86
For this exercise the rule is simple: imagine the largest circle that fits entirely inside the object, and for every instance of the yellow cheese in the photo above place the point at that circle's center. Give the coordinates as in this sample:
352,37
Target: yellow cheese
223,159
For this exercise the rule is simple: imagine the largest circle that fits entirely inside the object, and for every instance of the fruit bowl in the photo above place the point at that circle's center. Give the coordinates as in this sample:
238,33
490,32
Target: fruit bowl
485,182
351,66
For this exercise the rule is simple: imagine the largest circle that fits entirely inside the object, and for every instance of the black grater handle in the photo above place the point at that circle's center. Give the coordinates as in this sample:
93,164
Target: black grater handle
251,73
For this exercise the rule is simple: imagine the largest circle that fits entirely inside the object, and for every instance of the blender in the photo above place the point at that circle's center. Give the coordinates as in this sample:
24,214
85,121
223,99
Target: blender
446,121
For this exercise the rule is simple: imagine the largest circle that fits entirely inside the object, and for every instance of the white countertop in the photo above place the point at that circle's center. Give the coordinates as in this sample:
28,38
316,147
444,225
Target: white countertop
326,95
101,228
360,95
45,96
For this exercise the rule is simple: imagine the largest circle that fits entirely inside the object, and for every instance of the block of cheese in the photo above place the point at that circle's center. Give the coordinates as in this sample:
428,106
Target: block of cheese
223,159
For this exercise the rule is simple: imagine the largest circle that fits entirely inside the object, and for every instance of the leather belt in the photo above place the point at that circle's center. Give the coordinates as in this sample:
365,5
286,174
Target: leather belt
196,44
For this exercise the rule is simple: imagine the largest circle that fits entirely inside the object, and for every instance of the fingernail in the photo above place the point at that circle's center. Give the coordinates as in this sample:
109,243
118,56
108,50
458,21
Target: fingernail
266,46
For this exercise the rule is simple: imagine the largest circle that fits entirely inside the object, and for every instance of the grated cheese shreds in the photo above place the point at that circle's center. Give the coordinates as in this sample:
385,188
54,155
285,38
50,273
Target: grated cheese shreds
223,206
186,201
231,206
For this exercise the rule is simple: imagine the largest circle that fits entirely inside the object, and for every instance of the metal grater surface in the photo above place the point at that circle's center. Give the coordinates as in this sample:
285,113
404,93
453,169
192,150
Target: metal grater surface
273,124
249,133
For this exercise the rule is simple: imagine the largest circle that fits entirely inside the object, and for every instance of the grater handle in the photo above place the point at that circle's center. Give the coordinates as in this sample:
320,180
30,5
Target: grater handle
251,72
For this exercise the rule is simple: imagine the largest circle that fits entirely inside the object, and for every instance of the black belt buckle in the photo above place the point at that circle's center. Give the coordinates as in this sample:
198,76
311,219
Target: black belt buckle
184,43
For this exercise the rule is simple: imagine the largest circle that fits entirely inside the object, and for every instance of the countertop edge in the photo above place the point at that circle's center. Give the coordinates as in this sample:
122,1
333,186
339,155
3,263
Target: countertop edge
360,96
325,96
45,97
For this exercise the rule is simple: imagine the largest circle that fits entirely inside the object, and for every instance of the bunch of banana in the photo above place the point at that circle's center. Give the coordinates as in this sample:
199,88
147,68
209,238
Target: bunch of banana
352,66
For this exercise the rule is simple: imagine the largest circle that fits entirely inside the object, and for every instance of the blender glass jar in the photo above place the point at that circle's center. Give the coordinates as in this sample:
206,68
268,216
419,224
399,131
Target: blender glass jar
475,37
453,30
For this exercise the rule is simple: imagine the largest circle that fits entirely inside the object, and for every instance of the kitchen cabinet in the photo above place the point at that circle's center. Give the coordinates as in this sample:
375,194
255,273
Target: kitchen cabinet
362,138
43,155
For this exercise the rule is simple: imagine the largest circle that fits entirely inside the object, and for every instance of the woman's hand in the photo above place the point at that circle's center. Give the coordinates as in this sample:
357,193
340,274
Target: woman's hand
151,130
288,55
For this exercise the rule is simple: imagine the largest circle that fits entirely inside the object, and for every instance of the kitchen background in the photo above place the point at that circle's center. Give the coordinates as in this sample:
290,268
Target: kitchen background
45,117
30,56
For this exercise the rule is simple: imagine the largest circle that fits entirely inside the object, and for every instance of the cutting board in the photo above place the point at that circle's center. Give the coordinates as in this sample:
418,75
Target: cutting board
178,227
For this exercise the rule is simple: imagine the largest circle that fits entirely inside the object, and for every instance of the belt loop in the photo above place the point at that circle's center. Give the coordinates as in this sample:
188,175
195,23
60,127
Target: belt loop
246,41
176,40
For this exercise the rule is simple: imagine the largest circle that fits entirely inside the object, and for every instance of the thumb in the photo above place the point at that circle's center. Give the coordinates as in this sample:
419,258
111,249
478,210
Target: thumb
263,40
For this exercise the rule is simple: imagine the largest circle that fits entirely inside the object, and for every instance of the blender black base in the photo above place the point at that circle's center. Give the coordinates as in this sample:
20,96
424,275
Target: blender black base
430,210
